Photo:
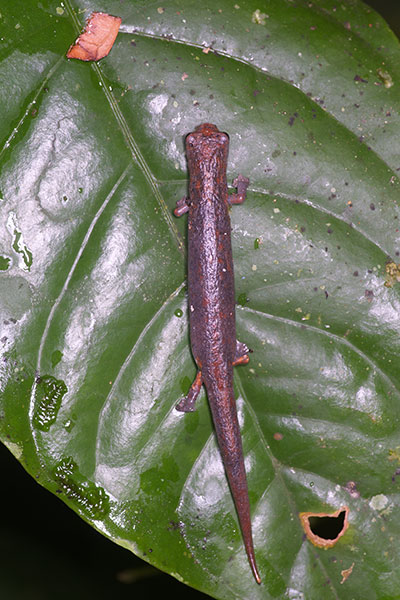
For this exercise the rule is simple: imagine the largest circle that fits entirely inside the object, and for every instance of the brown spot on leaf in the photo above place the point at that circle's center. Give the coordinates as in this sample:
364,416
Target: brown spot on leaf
392,273
396,474
360,79
369,294
351,487
346,573
324,529
97,39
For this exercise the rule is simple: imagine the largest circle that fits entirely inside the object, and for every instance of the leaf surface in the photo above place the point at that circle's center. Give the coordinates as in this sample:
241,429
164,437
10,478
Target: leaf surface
95,347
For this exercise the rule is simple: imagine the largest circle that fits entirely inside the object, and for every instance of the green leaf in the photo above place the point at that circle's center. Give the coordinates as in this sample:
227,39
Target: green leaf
95,347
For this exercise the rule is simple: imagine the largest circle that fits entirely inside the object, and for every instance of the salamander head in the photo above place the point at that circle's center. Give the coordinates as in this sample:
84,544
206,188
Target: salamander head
206,138
207,129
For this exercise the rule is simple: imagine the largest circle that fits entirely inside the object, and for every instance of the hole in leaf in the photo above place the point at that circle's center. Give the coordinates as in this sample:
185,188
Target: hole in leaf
324,529
327,527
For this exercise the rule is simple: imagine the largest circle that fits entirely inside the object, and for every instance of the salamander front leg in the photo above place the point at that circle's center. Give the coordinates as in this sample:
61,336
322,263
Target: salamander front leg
241,184
187,404
241,357
182,207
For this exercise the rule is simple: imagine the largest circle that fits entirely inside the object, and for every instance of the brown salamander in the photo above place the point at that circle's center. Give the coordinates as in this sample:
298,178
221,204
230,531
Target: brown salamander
212,304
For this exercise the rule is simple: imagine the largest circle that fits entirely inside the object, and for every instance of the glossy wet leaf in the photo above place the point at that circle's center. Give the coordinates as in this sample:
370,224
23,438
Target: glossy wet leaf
95,350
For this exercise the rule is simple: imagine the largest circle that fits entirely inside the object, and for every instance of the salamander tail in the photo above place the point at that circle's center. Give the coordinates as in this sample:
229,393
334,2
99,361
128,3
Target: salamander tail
223,409
252,561
238,485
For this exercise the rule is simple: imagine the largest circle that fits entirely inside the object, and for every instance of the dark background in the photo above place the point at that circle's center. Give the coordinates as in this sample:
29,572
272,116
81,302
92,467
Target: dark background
390,11
48,553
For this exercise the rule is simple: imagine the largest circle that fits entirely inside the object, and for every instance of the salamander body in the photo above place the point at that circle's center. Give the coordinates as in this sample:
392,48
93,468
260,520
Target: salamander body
212,304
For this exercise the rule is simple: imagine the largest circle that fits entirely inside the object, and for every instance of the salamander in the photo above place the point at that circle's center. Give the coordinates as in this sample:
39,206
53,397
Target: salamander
212,304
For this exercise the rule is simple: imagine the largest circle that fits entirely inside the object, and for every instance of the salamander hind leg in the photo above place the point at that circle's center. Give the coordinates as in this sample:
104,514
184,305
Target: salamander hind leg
241,356
241,184
182,207
187,404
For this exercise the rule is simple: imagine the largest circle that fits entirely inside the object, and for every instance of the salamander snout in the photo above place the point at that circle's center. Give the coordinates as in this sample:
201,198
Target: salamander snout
207,129
207,135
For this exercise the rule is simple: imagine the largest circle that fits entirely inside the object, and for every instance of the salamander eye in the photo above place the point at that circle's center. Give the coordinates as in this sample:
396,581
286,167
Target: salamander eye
190,139
223,138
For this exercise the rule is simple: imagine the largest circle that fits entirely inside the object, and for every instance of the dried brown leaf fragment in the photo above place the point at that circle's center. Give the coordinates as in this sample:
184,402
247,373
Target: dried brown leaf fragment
97,39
